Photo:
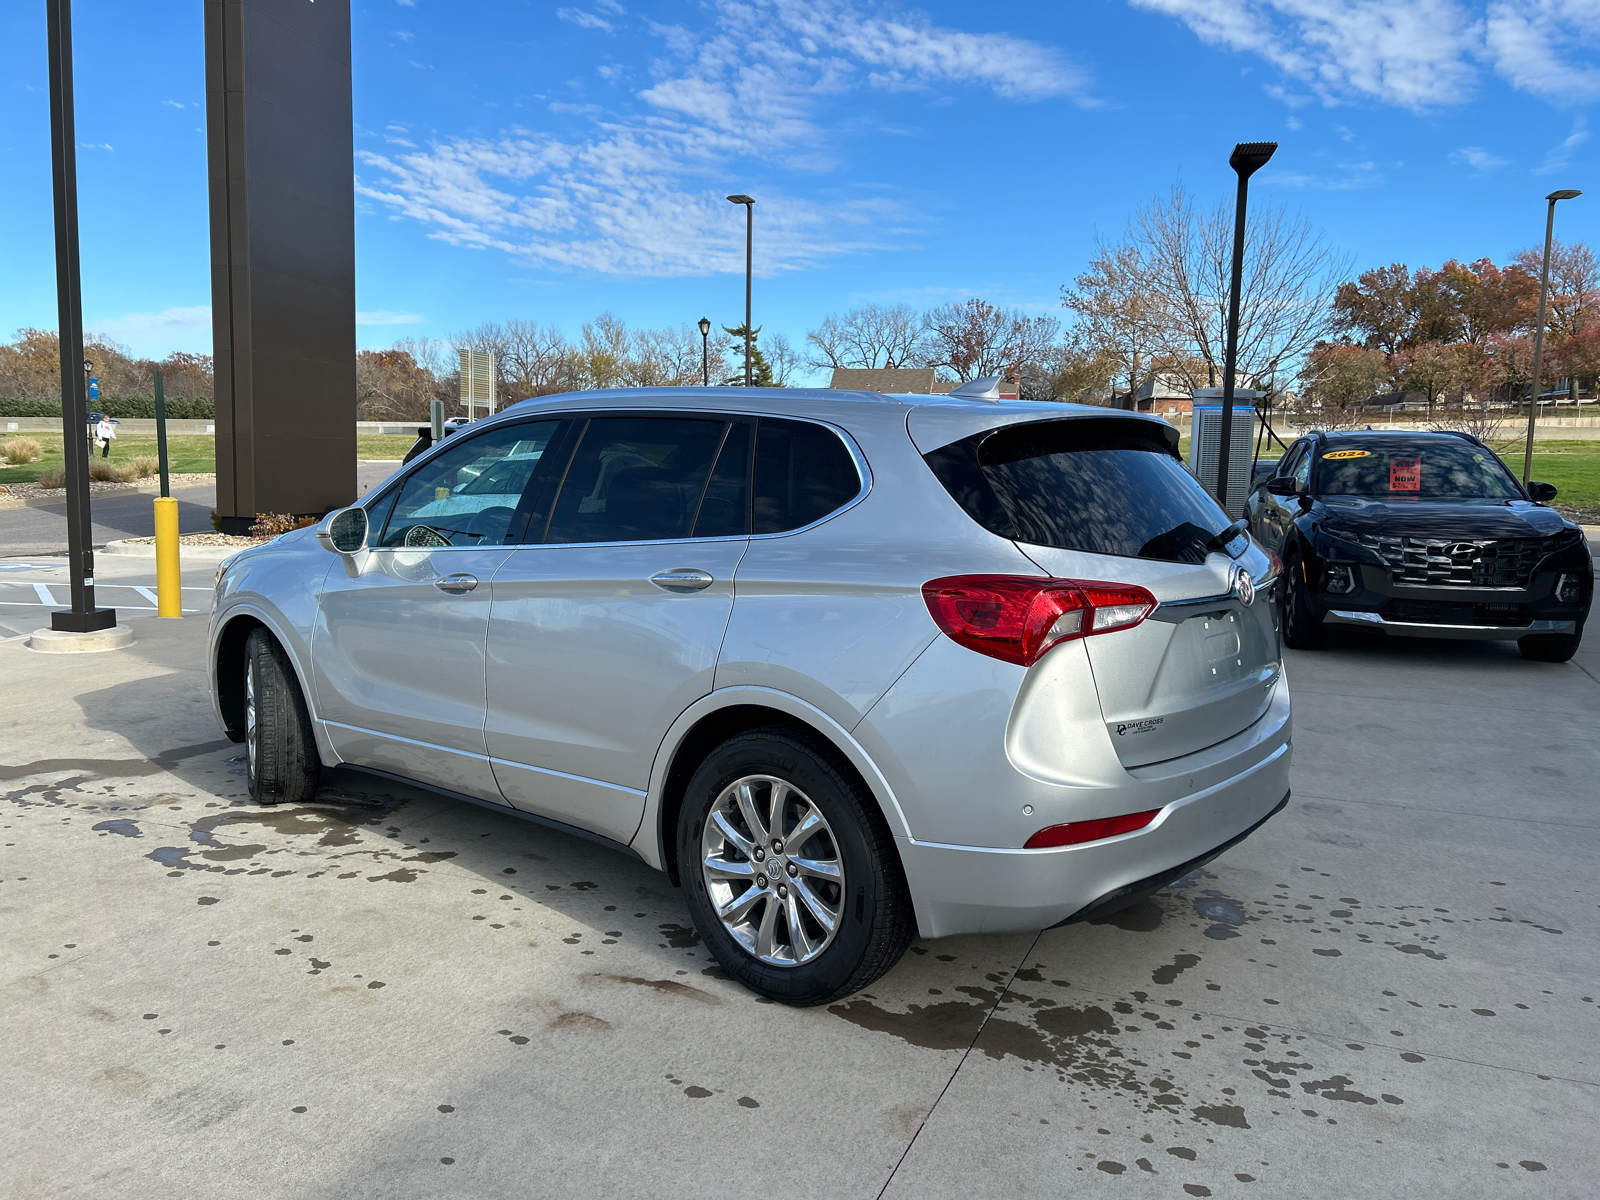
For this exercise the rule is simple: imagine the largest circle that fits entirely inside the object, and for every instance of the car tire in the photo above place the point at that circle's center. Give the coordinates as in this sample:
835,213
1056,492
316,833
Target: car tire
1301,629
738,910
1550,648
281,761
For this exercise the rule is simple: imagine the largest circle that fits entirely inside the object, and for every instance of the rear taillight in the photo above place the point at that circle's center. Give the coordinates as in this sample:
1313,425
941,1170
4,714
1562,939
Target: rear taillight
1074,832
1016,618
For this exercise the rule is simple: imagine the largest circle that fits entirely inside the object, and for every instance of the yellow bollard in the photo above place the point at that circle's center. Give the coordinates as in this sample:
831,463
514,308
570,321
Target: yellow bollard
169,585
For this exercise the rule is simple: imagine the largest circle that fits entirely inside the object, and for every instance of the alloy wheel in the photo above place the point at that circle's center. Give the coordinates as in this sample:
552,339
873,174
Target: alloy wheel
773,870
250,715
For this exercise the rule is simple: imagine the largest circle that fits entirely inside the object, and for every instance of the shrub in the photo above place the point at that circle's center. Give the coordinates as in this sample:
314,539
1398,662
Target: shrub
126,407
55,477
144,466
270,525
101,471
18,451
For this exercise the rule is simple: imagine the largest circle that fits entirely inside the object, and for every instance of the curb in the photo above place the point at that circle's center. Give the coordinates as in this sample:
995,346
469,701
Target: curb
50,641
126,548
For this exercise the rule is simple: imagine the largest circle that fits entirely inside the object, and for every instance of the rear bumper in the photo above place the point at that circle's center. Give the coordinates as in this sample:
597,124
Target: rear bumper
1487,633
980,889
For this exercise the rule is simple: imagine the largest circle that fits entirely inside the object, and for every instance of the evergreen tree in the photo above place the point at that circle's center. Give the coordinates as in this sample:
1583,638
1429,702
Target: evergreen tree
760,368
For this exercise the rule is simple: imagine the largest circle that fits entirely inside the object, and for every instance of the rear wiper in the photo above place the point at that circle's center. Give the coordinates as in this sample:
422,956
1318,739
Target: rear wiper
1221,540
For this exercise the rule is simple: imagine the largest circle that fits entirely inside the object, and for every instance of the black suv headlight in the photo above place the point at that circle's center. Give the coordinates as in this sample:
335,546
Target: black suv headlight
1567,589
1339,578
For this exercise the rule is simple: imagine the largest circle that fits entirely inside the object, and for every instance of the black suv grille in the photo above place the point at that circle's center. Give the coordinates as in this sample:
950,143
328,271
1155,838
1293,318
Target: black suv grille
1445,562
1448,612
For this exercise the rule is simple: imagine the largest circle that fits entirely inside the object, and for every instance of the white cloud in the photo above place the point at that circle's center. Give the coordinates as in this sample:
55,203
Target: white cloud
174,104
585,20
158,334
97,146
1546,47
406,3
405,35
1413,53
1560,157
1345,177
1477,158
1407,52
642,194
382,316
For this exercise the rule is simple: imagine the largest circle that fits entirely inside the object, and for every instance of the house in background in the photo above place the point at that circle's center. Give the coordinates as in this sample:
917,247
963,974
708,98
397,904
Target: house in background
916,381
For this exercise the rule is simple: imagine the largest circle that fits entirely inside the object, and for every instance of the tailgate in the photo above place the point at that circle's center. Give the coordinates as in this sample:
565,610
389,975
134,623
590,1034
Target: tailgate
1198,670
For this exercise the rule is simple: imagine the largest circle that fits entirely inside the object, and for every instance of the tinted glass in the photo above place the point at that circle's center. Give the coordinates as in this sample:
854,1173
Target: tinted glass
635,479
1399,470
1104,486
725,510
803,473
469,493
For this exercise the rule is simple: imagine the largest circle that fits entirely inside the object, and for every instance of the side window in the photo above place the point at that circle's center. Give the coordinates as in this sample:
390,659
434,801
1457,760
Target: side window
1291,458
803,472
1302,470
636,479
468,495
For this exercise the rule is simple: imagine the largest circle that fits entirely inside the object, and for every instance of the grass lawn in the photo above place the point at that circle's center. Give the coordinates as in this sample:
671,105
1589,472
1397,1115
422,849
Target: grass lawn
1574,467
187,453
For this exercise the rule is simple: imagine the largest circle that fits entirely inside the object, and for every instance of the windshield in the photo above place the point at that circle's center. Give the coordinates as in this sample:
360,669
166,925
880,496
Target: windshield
1432,470
1103,485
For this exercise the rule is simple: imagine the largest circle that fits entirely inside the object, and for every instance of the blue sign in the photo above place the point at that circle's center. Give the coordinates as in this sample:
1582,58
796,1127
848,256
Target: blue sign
94,389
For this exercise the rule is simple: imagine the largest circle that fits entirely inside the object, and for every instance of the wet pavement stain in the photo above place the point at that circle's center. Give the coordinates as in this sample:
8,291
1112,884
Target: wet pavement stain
1180,963
670,987
122,827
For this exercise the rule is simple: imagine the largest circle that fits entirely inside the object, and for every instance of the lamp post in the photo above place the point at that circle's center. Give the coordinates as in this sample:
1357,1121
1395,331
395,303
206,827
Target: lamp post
1538,332
82,616
705,352
749,245
1247,158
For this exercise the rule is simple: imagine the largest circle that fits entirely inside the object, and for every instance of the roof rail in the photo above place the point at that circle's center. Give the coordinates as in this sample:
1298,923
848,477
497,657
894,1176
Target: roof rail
985,387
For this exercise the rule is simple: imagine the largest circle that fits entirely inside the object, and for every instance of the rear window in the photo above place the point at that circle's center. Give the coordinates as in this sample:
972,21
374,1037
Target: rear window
1101,485
803,473
1442,470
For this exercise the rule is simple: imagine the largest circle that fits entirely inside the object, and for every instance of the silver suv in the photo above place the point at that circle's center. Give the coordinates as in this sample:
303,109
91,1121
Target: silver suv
847,666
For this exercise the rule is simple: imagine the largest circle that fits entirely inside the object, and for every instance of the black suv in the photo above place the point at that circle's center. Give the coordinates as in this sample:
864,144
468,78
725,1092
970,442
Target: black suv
1422,534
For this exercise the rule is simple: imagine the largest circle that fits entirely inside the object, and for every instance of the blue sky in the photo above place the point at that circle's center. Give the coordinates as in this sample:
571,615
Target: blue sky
551,161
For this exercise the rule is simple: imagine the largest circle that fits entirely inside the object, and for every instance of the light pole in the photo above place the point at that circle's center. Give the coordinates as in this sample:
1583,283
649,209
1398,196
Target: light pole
749,245
1538,332
1247,158
705,352
83,616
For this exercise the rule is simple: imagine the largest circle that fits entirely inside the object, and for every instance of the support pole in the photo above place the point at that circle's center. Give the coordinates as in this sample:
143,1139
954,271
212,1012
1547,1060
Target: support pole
169,580
1247,158
749,261
161,435
83,616
1538,342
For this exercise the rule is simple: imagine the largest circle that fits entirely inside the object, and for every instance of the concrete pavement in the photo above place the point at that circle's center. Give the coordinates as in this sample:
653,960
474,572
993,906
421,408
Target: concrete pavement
1388,991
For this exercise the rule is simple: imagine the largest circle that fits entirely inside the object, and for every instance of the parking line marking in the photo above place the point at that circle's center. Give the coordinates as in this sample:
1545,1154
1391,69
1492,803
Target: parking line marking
146,593
43,592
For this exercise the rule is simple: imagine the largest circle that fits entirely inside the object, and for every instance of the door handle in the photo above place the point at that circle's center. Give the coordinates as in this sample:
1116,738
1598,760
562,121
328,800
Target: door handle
458,583
683,580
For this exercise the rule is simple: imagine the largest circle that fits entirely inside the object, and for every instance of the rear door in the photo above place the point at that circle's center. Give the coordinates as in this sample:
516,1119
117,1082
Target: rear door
1103,499
607,624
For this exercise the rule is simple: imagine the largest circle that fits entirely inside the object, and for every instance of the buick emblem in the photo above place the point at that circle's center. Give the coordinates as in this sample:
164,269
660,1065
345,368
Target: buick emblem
1244,587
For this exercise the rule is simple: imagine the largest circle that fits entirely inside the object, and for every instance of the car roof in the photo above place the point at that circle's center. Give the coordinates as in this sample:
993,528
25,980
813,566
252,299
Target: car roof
936,420
1369,435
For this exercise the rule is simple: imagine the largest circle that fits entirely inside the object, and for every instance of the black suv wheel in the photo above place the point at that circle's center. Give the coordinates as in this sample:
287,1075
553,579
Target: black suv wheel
790,873
1550,647
1301,629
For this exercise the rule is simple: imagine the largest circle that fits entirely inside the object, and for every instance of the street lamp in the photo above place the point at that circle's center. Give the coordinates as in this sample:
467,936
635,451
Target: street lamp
1247,158
749,244
1538,333
705,352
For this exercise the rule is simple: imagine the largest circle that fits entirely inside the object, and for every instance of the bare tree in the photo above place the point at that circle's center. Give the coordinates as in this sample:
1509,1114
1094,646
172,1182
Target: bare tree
1290,277
1120,313
872,337
977,338
784,360
1336,381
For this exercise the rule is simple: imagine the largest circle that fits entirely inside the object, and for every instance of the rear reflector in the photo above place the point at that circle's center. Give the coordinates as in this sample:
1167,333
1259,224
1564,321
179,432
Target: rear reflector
1016,618
1074,832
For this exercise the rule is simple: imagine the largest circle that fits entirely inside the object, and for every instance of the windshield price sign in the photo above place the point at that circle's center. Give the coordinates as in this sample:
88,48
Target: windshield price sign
1405,474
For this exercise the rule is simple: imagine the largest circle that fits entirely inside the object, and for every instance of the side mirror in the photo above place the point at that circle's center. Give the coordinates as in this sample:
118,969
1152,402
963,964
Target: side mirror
1283,485
346,533
1542,492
